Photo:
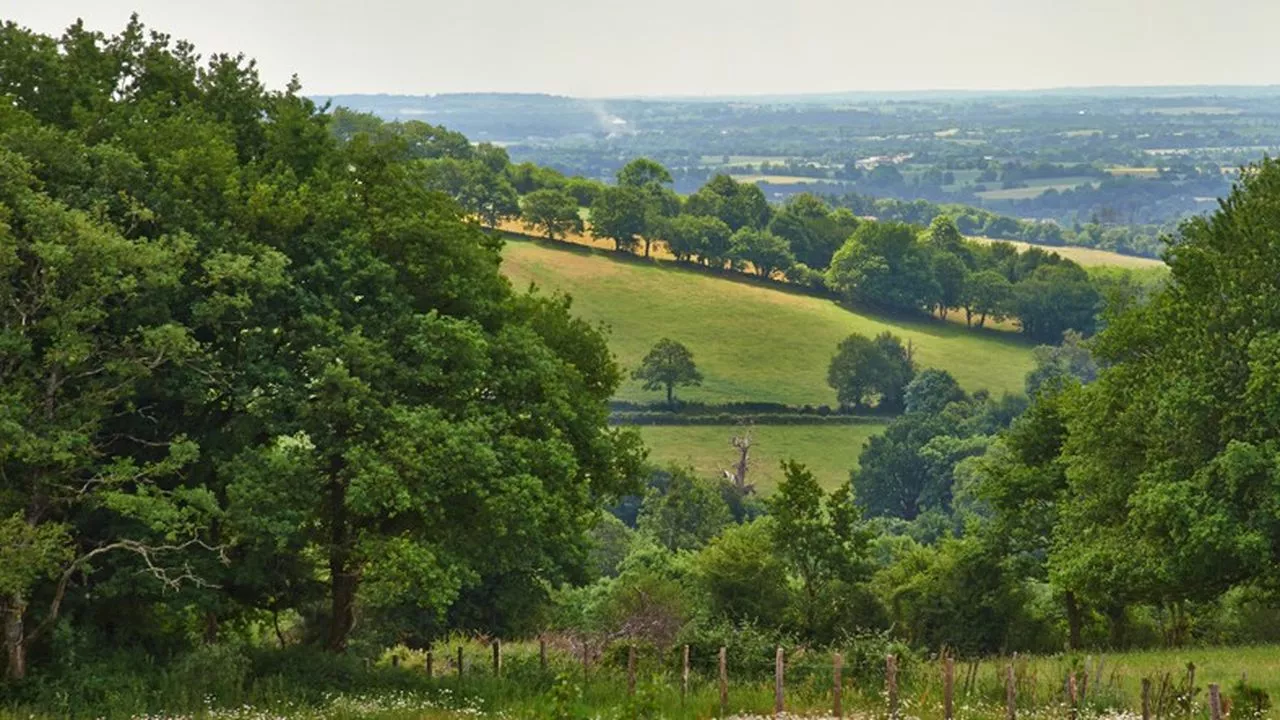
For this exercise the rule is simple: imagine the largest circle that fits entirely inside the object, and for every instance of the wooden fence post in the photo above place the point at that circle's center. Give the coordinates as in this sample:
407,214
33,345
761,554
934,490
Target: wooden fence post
948,687
684,676
891,684
459,661
1072,699
1146,698
1215,702
429,663
724,682
395,661
777,681
631,670
497,658
837,685
542,654
1191,686
1010,694
586,660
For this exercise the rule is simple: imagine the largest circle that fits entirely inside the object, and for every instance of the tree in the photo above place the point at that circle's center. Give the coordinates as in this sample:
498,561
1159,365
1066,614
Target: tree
230,321
643,173
700,236
684,512
1055,299
667,365
83,324
744,579
738,204
863,369
821,541
1170,453
584,191
766,252
650,178
944,237
884,265
554,211
619,213
1055,363
987,293
811,230
931,391
950,273
900,367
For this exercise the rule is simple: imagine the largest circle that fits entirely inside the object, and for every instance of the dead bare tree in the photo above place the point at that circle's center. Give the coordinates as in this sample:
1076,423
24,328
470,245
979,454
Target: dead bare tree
738,475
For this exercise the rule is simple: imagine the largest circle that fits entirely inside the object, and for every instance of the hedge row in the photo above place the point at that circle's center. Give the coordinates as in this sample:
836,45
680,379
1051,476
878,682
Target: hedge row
734,408
669,418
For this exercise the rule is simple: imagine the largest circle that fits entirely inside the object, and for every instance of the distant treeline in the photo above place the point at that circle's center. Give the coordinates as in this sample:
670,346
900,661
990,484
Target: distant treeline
891,265
894,264
1143,240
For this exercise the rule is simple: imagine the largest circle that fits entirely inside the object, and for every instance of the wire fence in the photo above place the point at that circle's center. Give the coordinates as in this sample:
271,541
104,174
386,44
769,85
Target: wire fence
949,687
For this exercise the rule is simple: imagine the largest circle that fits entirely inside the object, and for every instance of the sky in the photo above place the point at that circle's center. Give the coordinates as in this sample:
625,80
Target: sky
603,48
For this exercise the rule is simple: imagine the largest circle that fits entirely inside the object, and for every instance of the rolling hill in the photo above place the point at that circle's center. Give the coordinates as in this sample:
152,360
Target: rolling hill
752,342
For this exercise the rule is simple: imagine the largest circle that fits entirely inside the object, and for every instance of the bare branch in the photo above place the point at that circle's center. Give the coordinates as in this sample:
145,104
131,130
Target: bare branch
171,578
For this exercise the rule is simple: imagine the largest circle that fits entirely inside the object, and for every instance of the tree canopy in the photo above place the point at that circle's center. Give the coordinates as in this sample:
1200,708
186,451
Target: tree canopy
235,326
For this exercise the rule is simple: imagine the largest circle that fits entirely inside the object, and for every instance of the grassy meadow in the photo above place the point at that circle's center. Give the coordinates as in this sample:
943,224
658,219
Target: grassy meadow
751,341
397,686
829,451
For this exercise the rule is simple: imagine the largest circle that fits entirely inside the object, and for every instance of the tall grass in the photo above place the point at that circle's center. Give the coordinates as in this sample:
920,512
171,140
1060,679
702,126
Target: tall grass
225,683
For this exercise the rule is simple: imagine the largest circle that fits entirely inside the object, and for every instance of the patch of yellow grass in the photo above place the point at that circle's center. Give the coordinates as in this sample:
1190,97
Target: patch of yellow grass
1087,257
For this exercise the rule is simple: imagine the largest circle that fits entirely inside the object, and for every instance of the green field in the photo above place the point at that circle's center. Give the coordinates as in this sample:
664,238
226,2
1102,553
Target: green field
750,341
1035,188
829,451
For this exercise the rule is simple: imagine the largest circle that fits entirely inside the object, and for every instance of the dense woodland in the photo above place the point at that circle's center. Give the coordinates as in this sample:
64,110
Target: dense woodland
264,390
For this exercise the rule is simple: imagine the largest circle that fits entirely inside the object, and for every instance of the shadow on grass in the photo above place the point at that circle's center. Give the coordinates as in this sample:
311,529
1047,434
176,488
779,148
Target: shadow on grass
927,325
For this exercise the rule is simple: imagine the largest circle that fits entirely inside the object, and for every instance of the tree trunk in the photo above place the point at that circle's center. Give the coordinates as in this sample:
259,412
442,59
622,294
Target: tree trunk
343,577
1117,625
15,640
210,628
1074,621
343,588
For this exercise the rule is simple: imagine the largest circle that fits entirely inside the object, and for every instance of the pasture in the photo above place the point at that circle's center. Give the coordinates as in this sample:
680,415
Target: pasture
751,340
829,451
1035,188
780,179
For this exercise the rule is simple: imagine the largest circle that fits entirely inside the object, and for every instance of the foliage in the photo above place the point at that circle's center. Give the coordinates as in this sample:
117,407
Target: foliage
683,512
883,265
619,214
863,369
744,580
820,540
237,329
555,212
767,253
667,365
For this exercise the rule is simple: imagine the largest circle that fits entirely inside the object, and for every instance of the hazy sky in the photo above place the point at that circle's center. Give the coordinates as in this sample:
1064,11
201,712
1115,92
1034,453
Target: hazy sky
602,47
